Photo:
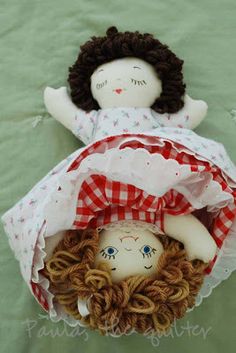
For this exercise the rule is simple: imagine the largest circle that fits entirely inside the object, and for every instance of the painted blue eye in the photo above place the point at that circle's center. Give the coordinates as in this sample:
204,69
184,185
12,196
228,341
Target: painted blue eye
147,251
109,251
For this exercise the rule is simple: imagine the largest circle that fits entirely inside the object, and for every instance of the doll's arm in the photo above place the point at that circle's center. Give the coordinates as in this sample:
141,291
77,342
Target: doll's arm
189,117
187,229
60,106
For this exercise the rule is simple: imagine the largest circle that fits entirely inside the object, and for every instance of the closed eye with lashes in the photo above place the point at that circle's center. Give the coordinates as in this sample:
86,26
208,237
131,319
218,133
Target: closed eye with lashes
100,85
138,82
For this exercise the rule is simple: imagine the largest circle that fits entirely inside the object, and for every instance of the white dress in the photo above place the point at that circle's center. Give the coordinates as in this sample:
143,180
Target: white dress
135,166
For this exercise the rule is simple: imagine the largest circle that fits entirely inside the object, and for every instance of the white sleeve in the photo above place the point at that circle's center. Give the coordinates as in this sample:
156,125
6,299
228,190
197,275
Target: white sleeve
61,107
189,117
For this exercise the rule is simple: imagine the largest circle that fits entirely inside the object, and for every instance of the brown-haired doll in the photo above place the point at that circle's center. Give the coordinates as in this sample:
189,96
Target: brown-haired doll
133,229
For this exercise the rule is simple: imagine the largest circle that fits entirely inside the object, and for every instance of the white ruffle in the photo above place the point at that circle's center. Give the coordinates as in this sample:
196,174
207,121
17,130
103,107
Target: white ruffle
126,166
56,312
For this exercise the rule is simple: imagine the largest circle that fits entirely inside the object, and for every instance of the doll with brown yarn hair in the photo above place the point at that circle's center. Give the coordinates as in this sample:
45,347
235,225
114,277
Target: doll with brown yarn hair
117,45
142,163
136,302
123,69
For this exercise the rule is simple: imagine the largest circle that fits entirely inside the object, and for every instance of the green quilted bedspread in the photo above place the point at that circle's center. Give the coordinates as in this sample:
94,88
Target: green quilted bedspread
38,41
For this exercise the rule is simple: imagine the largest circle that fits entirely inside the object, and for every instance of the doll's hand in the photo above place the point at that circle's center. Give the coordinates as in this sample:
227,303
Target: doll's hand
59,104
197,241
54,98
204,250
61,108
51,93
188,117
196,110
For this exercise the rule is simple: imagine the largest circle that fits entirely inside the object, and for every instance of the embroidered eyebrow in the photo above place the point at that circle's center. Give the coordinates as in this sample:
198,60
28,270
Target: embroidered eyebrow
100,70
137,67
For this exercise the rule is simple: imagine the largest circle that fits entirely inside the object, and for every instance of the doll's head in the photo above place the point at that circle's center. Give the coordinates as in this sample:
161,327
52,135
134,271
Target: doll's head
137,300
129,249
127,69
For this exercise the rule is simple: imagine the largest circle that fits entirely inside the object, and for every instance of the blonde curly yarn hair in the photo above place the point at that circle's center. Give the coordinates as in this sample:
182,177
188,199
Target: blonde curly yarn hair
136,303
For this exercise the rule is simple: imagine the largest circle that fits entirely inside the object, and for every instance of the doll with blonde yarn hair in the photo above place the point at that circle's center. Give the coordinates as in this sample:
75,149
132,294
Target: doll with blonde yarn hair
137,226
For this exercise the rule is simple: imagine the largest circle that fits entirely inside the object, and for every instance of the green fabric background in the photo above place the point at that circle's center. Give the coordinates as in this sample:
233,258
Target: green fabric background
39,40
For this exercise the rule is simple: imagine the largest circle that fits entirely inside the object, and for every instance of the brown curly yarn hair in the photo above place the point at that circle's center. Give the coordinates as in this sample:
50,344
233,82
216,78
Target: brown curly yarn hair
115,45
137,302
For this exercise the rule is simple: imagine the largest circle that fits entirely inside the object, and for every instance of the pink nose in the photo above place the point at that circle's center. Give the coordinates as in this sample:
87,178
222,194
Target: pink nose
118,90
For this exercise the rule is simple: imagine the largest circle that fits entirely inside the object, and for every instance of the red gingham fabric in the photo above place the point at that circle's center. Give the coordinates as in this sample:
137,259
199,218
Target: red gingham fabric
169,152
103,201
38,293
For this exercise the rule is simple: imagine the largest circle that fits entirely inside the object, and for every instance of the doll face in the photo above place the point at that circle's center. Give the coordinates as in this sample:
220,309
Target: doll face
129,252
126,82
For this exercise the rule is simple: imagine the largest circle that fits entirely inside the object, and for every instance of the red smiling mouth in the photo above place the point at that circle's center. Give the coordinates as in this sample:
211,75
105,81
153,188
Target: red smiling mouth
118,90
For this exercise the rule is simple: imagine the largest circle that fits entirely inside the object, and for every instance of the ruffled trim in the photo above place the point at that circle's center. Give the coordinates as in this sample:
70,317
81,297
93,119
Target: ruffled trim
180,137
55,310
38,265
223,268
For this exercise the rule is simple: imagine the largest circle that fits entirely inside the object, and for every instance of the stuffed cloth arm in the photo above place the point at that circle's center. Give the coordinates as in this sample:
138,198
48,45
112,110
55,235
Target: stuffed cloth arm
197,241
189,117
60,107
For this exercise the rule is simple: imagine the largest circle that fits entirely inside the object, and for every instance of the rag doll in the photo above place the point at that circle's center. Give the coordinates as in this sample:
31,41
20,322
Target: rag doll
136,227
